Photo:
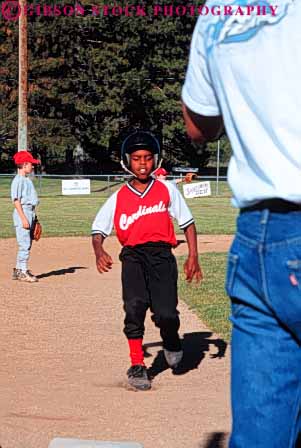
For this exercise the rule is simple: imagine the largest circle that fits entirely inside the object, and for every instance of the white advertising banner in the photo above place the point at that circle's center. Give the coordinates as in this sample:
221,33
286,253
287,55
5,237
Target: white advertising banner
197,190
76,186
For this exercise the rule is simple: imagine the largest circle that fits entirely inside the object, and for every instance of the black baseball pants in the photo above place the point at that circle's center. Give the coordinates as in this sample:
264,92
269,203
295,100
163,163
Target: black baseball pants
149,280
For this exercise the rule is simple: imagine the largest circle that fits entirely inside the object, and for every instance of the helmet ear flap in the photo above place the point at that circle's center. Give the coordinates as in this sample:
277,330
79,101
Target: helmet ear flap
126,168
157,163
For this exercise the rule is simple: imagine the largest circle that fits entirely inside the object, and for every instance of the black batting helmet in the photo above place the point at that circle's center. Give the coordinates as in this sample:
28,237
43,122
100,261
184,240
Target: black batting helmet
139,140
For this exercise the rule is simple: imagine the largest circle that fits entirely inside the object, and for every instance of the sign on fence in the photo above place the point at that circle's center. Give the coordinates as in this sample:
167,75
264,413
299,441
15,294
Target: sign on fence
185,169
197,190
76,186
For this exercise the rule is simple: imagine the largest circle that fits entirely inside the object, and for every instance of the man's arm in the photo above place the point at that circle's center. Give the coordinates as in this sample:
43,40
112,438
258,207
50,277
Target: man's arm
201,128
192,268
103,259
201,107
20,211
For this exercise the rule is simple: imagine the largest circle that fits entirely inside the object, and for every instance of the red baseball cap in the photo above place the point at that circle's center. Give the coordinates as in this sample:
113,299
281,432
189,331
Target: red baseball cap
23,157
161,172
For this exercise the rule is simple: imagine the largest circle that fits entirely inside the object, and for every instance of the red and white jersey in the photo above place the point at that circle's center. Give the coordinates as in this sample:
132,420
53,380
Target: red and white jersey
140,218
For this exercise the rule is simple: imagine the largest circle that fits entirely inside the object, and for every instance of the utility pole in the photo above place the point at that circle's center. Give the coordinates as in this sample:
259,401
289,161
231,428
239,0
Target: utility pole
23,70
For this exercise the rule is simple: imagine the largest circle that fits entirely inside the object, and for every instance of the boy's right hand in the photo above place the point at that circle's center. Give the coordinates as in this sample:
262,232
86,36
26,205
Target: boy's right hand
103,262
25,224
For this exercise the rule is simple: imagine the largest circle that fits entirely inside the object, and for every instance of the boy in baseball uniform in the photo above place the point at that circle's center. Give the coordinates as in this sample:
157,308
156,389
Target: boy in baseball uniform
161,174
25,199
141,212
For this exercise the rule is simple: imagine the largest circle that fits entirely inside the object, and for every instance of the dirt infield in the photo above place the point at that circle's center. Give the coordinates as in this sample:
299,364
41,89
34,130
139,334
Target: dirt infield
64,358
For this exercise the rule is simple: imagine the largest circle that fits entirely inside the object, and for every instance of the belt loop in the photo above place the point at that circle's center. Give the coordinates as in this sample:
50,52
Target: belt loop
264,221
264,216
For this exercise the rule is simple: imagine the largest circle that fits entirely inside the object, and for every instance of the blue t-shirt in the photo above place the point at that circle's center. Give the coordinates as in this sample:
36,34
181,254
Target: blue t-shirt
23,189
247,69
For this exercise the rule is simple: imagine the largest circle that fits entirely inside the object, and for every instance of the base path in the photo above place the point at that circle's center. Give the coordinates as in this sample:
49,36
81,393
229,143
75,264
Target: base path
64,358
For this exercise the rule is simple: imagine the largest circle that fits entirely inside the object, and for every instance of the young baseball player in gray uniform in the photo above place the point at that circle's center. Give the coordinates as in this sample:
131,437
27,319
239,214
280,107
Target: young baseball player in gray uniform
25,199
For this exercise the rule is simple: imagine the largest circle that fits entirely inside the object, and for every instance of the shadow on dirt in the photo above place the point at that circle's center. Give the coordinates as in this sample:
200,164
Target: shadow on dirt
216,440
221,440
195,345
65,271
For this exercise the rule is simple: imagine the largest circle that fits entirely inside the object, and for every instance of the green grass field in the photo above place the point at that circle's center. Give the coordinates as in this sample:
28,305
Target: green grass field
208,299
73,215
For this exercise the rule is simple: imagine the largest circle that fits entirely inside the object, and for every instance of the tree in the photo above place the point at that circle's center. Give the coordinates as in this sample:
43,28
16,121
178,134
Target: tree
93,77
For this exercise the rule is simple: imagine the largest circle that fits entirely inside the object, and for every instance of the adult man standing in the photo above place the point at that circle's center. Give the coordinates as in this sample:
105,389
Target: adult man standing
246,69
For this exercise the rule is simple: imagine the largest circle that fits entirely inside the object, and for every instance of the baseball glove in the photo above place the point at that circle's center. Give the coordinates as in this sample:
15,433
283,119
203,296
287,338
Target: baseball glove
36,230
189,177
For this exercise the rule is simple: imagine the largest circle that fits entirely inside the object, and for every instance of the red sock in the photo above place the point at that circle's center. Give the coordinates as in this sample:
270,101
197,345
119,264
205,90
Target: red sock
136,351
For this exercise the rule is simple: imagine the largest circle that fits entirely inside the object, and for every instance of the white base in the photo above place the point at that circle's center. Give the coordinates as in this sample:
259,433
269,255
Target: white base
76,443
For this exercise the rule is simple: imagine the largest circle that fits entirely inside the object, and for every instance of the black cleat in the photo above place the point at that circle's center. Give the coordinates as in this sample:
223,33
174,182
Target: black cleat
27,277
137,377
173,359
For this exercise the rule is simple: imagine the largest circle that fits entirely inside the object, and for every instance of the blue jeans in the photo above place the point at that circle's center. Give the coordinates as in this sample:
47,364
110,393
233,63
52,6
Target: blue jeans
264,283
23,237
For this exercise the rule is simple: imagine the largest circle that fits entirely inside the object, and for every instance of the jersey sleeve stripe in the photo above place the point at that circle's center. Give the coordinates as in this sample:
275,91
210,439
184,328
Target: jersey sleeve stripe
186,224
98,232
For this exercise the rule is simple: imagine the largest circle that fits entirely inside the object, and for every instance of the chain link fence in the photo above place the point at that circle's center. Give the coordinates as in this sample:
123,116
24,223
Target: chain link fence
50,185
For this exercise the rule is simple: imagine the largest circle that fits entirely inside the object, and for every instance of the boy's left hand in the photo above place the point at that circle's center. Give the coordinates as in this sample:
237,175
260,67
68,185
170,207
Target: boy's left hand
192,269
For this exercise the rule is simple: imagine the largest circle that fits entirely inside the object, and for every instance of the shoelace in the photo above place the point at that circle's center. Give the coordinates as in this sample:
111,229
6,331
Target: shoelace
136,371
